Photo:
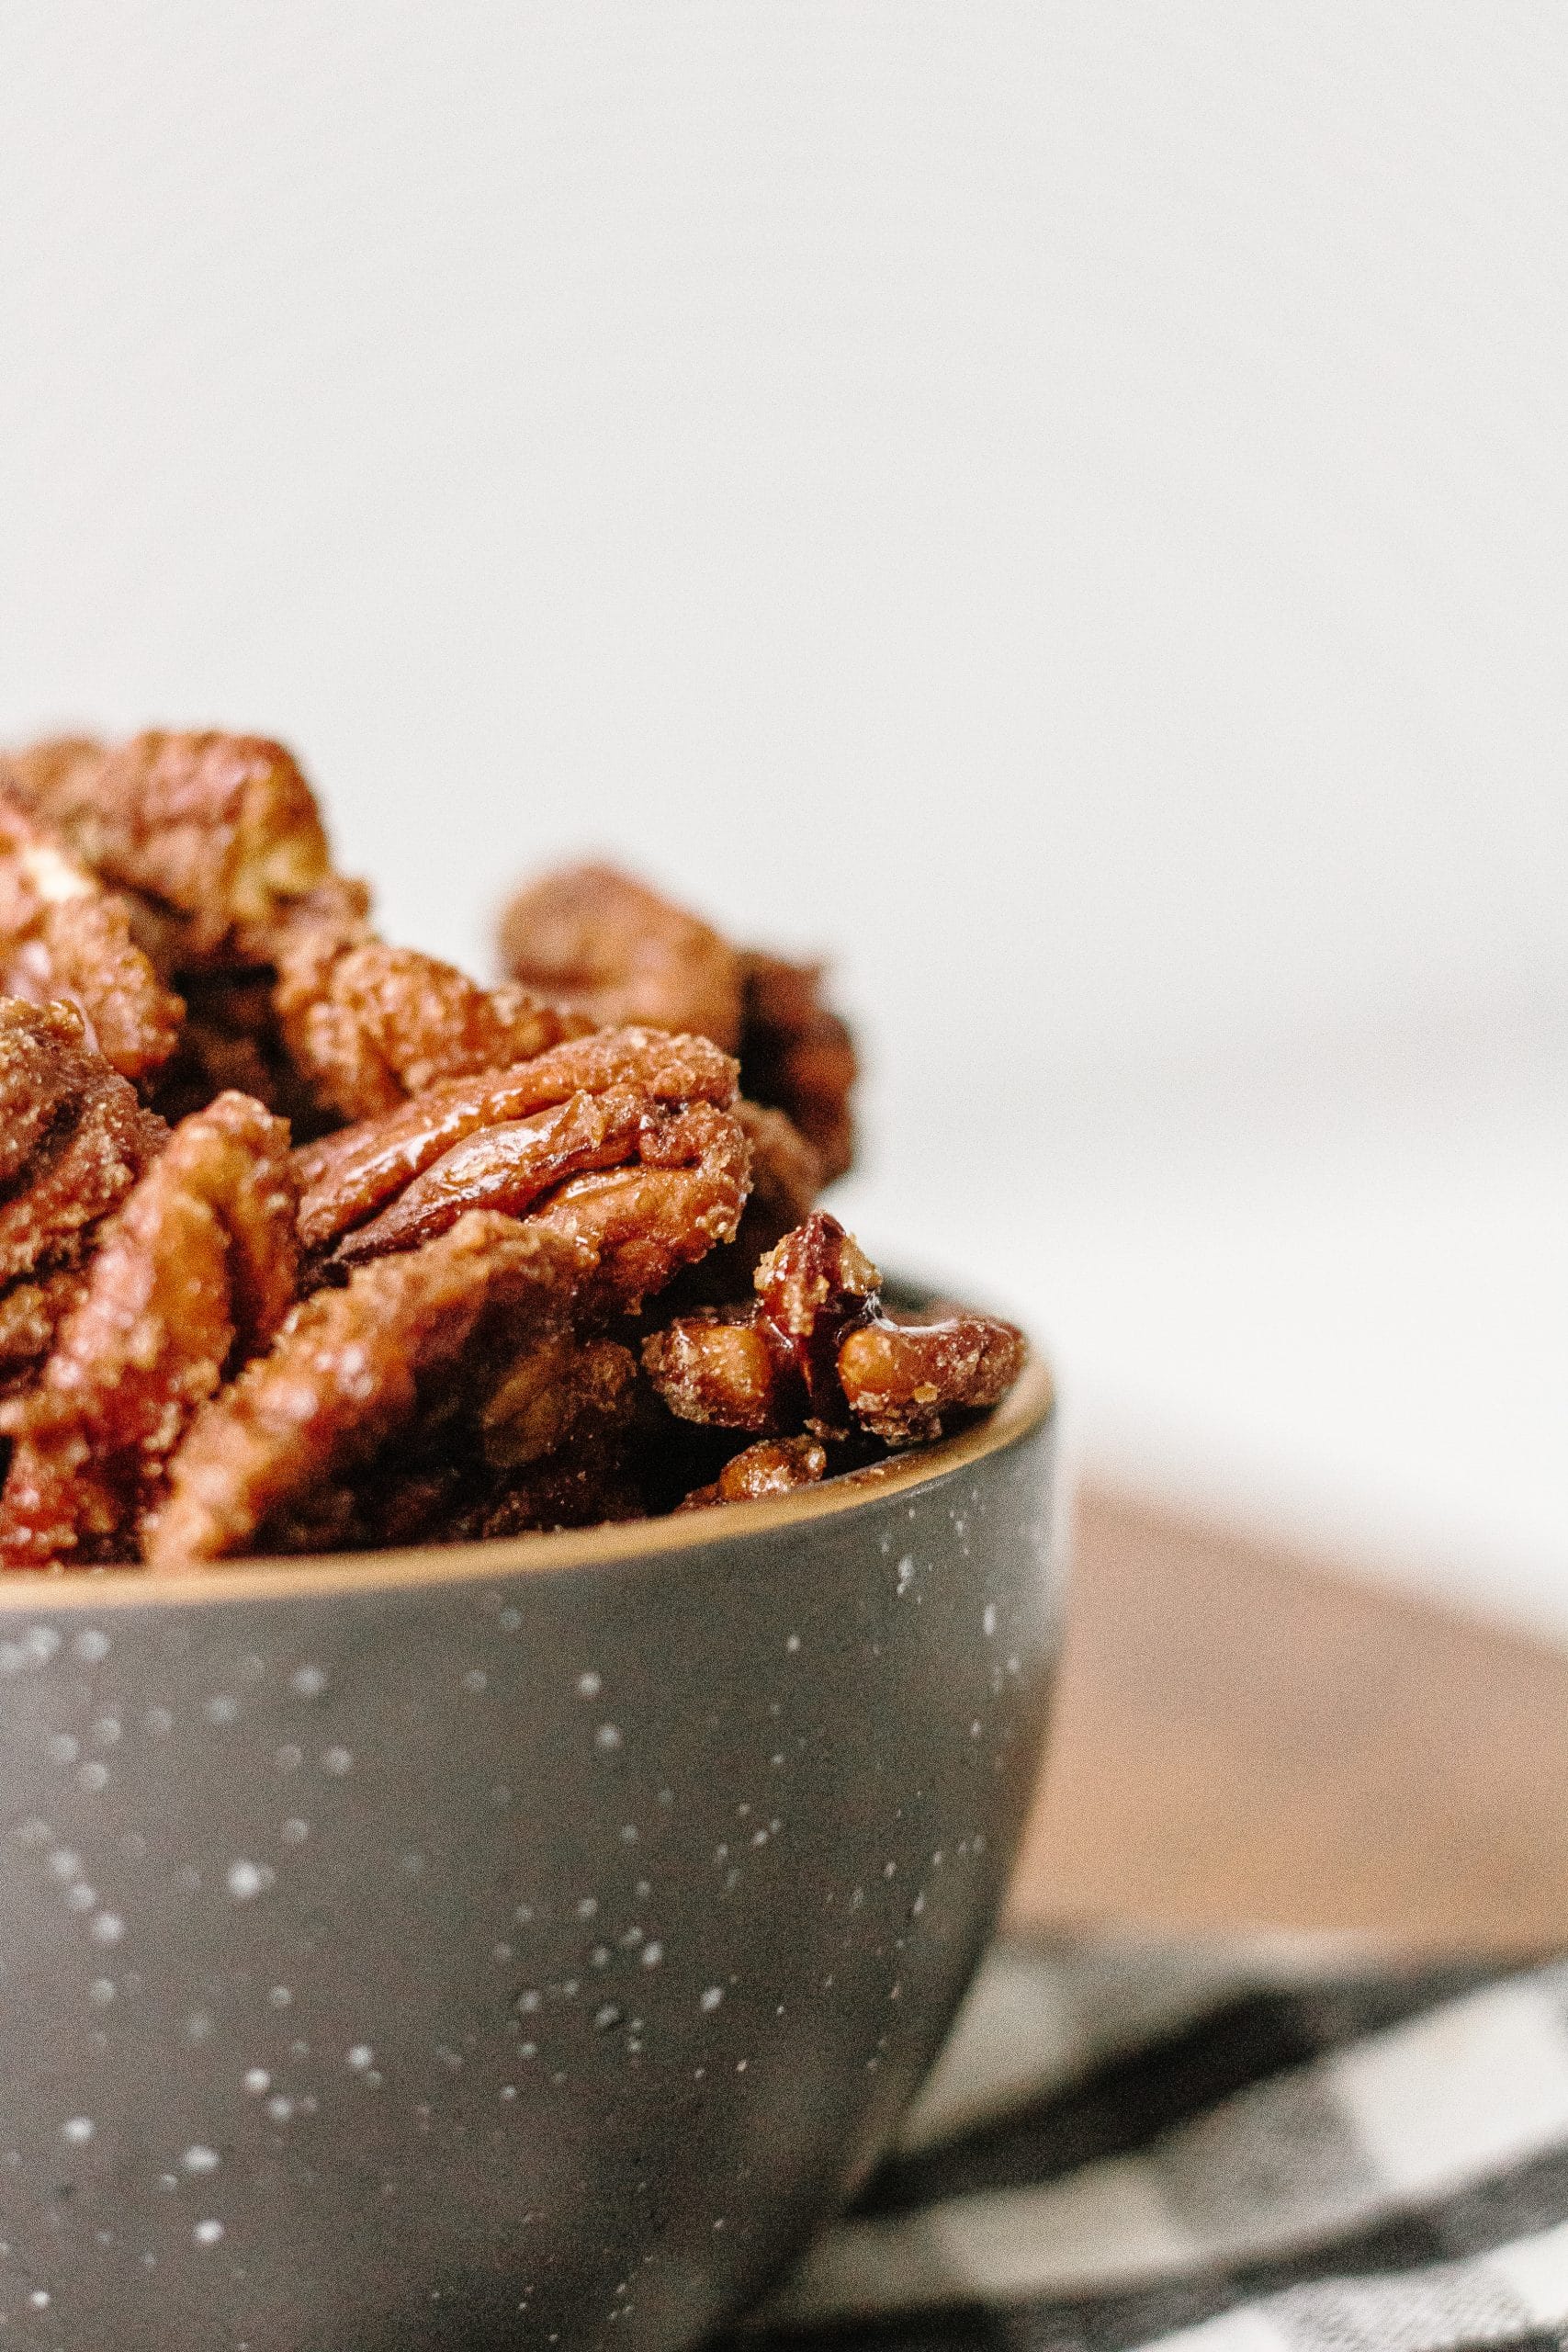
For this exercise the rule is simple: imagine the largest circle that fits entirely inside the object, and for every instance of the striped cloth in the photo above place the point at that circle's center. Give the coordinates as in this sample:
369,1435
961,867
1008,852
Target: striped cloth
1281,2148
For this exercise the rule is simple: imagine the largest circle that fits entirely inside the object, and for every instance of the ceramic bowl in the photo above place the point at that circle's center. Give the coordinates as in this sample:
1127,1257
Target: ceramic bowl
515,1944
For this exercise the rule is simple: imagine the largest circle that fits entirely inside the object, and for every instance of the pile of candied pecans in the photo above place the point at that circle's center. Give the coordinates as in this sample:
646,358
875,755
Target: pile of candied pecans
311,1243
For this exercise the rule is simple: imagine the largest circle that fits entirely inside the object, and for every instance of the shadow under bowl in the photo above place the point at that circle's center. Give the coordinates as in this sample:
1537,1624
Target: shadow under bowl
510,1944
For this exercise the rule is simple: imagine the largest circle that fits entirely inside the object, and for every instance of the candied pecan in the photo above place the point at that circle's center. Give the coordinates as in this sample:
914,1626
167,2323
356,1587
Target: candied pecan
215,832
73,1138
217,842
669,1183
785,1179
592,937
900,1375
815,1285
412,1339
513,1167
718,1367
549,1449
348,1176
367,1025
818,1347
596,938
772,1366
507,1168
195,1273
773,1467
798,1056
63,936
681,1198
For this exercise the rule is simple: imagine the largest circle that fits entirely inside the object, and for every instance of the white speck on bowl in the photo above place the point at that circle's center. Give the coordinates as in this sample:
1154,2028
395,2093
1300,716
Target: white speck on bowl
247,1880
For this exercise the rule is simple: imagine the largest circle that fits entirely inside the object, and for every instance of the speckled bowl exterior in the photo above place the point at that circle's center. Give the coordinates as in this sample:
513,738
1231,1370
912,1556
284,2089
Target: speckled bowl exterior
523,1944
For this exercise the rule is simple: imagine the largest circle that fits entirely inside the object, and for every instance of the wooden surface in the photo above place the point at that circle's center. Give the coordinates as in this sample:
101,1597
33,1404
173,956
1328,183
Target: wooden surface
1244,1739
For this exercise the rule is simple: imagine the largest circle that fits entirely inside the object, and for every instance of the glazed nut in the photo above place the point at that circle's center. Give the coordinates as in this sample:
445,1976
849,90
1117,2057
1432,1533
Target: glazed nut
772,1466
216,830
352,1373
593,938
902,1380
74,1138
197,1272
64,937
346,1178
715,1369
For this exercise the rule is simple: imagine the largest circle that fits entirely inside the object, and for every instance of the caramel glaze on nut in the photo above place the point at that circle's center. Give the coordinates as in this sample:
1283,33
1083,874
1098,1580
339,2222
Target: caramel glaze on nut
310,1241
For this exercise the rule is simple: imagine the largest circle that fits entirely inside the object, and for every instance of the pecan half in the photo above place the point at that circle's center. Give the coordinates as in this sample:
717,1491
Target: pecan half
681,1197
772,1366
347,1177
818,1349
368,1026
775,1465
595,938
215,833
638,1108
64,937
195,1273
74,1138
412,1343
902,1379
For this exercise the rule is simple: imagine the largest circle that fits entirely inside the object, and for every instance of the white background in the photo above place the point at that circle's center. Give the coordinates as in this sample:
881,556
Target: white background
1064,505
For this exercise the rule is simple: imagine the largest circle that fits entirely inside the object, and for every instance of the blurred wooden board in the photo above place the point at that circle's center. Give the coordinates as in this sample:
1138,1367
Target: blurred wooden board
1244,1738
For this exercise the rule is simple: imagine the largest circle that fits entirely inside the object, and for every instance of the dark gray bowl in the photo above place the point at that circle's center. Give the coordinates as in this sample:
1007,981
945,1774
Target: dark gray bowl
520,1944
